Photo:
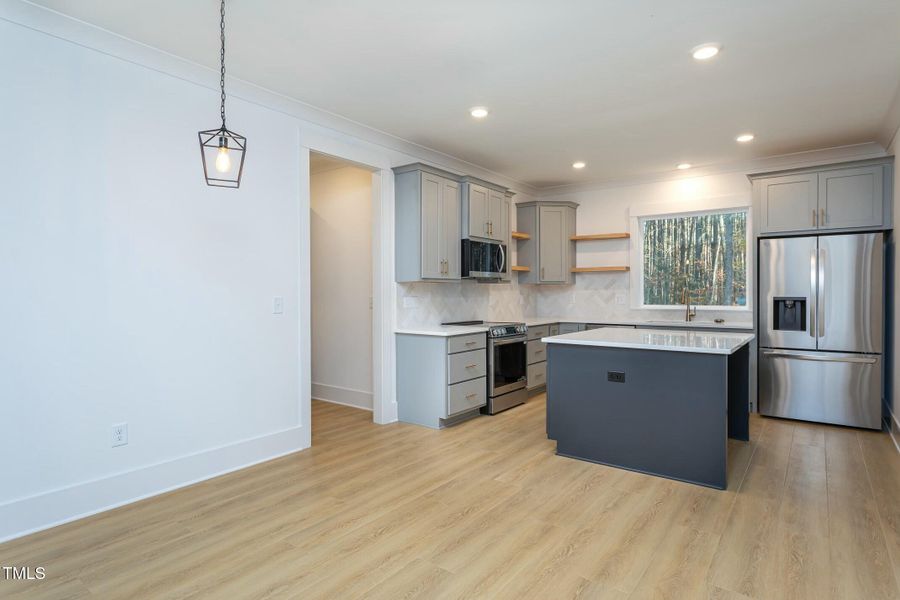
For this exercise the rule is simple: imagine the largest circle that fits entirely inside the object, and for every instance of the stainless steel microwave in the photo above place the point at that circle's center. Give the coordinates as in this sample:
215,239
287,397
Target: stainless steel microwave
483,260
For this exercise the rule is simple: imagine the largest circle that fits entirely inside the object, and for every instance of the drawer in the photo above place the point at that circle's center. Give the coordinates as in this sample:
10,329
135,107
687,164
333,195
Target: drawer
570,327
537,351
536,333
554,329
466,365
466,395
462,343
537,375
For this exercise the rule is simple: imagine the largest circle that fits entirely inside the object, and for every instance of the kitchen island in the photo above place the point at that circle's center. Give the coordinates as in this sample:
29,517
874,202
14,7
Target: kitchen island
662,402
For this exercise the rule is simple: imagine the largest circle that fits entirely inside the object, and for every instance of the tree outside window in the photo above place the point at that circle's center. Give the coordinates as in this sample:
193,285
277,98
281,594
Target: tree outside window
706,254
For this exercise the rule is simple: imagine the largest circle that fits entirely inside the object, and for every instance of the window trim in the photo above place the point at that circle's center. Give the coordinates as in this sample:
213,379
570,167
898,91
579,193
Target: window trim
695,207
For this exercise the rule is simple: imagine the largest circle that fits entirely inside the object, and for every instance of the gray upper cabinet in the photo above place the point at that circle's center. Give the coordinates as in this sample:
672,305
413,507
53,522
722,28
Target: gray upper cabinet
836,197
498,216
851,197
788,203
427,218
549,253
483,206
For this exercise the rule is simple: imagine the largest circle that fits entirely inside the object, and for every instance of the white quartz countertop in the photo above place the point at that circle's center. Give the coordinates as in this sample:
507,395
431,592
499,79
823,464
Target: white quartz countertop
451,330
704,342
536,321
442,330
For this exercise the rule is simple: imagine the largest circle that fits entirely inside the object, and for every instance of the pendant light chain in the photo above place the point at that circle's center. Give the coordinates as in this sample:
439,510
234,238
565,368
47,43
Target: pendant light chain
222,60
222,150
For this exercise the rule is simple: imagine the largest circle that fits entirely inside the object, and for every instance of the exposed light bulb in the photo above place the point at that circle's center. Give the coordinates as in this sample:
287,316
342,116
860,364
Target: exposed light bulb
684,166
479,112
744,138
578,165
223,160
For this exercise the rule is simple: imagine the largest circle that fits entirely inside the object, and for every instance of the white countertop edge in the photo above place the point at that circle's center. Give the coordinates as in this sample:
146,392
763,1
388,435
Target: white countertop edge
537,322
731,342
440,331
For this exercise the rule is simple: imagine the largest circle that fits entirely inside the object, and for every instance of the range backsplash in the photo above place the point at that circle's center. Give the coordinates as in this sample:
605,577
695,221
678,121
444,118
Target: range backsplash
591,298
440,302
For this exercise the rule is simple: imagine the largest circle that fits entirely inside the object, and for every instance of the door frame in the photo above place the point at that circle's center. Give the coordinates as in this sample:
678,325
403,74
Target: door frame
384,290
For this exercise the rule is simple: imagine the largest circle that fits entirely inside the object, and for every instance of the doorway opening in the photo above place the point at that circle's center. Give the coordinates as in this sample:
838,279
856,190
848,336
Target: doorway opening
341,286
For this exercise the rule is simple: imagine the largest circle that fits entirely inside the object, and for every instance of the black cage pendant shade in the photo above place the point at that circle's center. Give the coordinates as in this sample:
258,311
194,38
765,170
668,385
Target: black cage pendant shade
222,150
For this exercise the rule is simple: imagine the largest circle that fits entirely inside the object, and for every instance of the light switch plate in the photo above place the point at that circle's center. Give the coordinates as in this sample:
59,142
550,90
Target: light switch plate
277,305
620,299
410,301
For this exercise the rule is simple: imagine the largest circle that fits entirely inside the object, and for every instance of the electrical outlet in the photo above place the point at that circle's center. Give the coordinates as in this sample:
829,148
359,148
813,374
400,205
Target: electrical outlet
277,305
119,434
410,301
620,299
615,376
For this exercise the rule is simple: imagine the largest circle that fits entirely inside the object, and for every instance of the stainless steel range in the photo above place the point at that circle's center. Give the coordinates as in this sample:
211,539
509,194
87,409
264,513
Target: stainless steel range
507,364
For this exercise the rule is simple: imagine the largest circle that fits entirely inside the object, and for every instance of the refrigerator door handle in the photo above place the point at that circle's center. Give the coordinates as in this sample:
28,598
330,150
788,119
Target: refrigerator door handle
820,297
812,293
819,357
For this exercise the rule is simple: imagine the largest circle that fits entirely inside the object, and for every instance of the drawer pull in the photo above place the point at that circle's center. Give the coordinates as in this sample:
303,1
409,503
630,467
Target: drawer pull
472,395
471,366
471,343
538,351
538,375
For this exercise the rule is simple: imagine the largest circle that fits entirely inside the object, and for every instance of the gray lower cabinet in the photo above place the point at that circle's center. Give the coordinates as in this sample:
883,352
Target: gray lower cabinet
428,230
536,353
549,252
570,327
836,197
440,380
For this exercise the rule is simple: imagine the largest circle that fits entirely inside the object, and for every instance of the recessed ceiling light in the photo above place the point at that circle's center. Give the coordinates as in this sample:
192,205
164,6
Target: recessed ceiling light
744,138
684,166
479,112
578,165
705,51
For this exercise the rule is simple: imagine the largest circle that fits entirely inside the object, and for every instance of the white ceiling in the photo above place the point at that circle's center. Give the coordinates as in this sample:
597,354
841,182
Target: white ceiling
610,83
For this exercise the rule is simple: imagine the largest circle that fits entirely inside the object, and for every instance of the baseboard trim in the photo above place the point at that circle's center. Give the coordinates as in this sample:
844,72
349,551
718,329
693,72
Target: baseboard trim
342,395
35,513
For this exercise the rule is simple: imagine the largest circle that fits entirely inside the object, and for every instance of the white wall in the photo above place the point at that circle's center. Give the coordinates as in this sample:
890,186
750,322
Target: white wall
605,209
132,291
341,247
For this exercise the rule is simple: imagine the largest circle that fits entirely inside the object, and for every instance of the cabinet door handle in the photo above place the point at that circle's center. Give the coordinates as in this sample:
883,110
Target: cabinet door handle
815,218
822,219
472,395
542,272
471,366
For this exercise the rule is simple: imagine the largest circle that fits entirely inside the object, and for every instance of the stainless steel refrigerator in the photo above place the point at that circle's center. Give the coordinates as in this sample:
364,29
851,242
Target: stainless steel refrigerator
821,318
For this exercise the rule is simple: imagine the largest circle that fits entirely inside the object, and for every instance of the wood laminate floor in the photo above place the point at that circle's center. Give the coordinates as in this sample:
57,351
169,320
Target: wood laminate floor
486,510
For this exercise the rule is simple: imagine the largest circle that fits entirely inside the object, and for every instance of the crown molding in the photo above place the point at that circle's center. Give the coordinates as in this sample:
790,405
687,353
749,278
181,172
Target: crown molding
779,162
55,24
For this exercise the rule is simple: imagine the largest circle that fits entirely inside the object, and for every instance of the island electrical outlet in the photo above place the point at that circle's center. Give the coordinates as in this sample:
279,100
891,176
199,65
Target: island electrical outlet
616,376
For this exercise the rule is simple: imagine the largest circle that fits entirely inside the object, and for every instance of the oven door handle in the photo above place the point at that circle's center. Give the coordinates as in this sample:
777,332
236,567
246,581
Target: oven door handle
519,339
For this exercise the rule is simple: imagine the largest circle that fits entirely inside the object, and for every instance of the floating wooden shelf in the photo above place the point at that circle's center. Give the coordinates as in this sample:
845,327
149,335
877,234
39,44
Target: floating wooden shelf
521,269
516,235
600,236
598,269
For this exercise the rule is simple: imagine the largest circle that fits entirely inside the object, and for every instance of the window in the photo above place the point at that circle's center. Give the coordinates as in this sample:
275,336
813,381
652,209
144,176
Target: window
705,254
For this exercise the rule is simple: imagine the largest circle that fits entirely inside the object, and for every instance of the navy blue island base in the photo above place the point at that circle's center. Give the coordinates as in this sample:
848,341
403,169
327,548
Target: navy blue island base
668,414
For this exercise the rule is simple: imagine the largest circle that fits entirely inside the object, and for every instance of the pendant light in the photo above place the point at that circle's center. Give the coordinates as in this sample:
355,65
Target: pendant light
222,150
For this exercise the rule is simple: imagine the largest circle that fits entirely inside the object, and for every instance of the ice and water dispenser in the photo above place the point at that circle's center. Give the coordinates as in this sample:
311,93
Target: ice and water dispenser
790,314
